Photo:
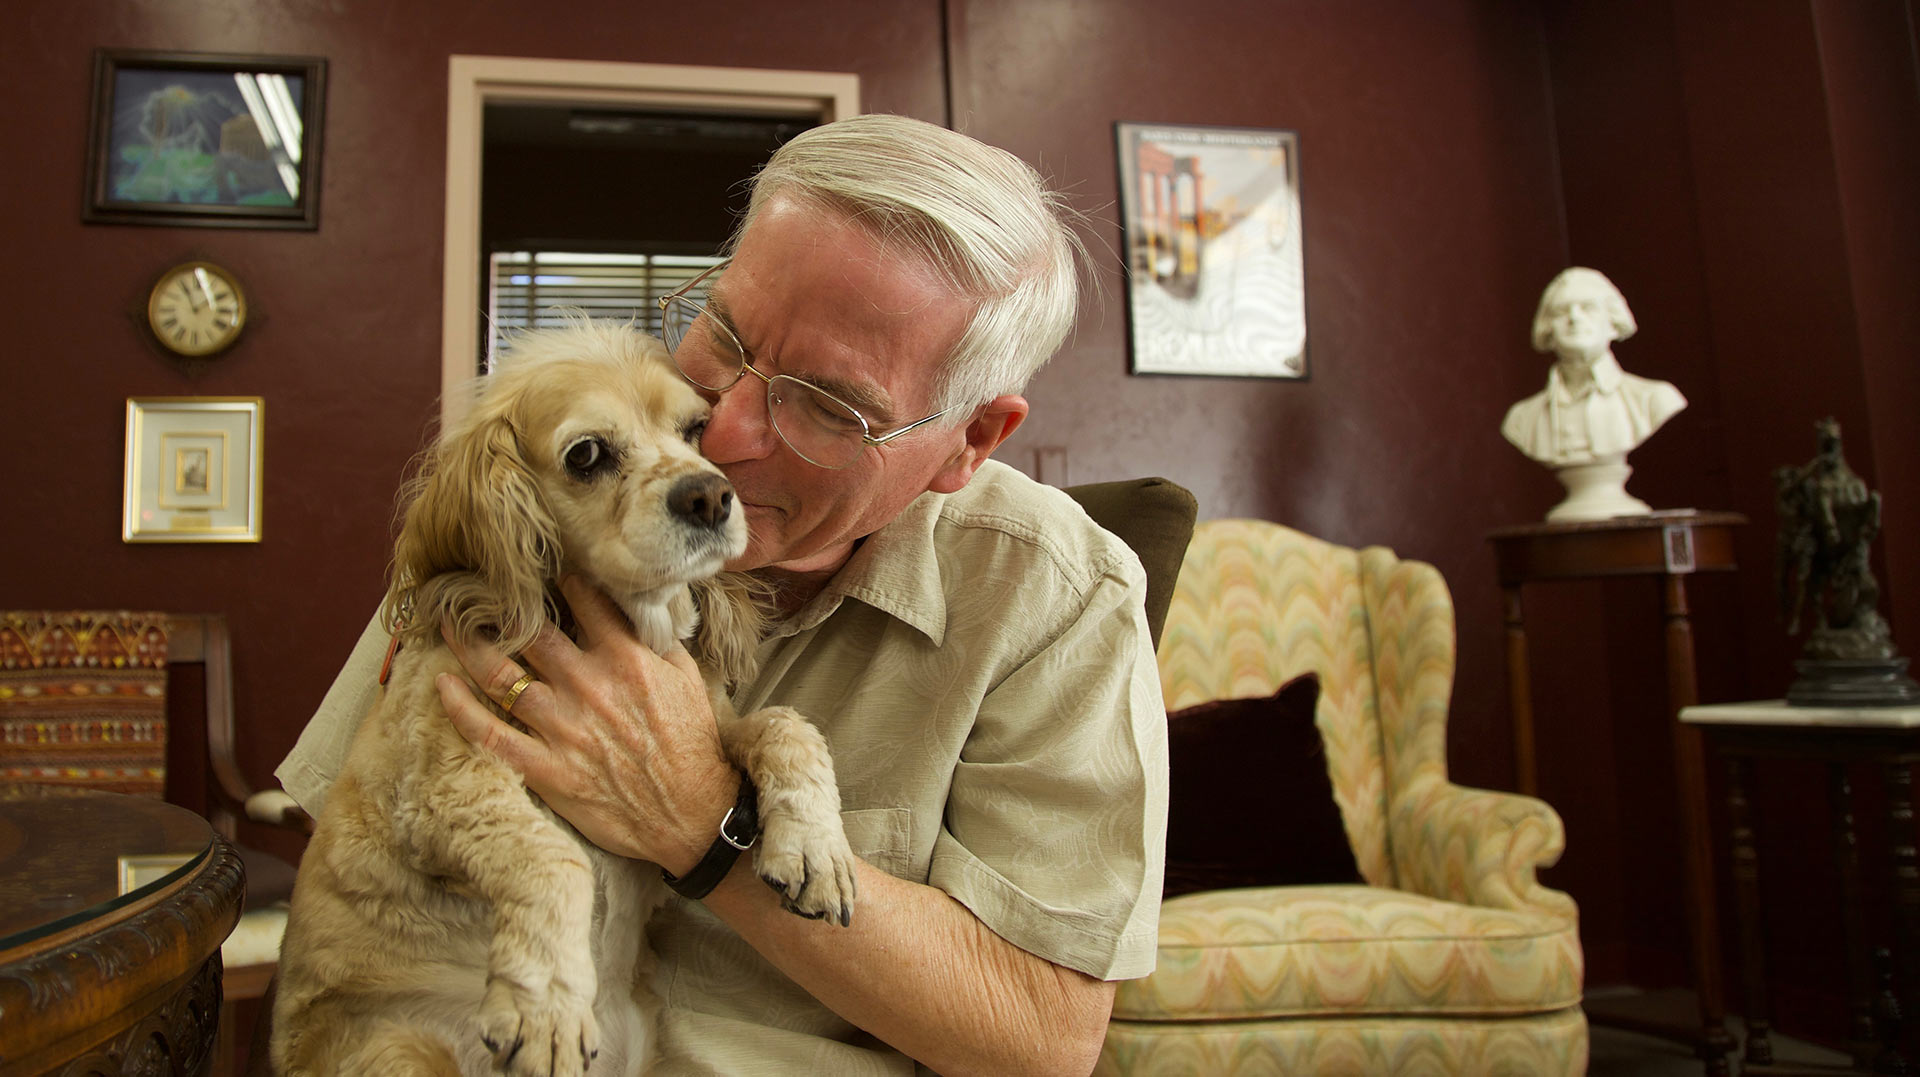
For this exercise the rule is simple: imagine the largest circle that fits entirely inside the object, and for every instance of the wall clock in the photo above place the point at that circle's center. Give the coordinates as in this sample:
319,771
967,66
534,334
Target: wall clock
196,309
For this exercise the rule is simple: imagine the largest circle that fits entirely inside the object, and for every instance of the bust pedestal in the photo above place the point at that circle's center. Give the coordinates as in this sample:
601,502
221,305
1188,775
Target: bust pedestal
1596,491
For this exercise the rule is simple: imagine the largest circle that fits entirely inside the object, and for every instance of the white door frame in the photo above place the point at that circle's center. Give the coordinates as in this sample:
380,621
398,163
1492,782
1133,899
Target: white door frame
473,82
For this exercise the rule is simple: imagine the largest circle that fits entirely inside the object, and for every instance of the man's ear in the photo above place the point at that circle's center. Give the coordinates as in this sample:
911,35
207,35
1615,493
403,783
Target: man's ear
995,423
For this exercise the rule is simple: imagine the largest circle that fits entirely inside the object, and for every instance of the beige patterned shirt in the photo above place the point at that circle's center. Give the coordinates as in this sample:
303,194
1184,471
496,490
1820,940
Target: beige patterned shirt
982,670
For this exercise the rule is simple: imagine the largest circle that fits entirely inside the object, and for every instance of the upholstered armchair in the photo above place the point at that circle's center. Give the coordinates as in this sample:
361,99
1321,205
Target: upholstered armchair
1450,958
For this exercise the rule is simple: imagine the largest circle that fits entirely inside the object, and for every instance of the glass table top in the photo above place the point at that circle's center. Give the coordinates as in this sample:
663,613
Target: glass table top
69,856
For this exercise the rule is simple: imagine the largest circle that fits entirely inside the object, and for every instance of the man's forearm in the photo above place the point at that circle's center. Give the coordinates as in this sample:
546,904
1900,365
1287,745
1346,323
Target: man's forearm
919,971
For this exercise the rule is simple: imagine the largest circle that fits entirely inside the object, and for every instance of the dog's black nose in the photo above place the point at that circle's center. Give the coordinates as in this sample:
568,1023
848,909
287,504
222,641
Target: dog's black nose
701,499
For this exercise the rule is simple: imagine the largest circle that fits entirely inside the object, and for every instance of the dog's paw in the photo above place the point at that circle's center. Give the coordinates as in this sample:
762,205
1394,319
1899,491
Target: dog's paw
538,1034
810,865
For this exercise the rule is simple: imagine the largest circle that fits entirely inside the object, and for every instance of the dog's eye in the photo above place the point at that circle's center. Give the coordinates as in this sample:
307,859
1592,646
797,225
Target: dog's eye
693,431
587,456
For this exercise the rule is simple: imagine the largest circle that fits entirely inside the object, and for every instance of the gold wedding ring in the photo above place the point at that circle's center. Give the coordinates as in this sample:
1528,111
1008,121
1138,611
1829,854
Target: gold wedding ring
513,694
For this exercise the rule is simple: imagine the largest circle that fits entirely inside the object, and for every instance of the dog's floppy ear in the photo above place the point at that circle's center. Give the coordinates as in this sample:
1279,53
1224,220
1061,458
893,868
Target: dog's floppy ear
731,620
479,545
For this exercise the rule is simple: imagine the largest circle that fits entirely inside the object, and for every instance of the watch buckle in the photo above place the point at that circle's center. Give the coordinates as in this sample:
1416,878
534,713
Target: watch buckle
730,839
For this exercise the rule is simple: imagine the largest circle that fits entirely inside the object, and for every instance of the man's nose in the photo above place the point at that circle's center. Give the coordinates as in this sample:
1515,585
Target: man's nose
739,427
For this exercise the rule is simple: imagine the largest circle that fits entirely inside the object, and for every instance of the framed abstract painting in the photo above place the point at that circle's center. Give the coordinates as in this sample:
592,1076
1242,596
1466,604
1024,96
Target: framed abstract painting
203,139
1216,270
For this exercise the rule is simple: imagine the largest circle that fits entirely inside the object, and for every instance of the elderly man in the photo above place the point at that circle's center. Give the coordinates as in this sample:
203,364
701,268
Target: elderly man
973,647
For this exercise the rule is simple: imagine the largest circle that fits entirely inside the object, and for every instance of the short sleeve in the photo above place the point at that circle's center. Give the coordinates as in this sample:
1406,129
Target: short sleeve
1055,829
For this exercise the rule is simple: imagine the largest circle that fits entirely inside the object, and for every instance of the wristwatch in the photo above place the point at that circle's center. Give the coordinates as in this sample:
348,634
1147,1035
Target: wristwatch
739,829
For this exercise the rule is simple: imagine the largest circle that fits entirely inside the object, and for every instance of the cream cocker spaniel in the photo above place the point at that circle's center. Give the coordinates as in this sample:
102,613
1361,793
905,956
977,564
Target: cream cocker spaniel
445,921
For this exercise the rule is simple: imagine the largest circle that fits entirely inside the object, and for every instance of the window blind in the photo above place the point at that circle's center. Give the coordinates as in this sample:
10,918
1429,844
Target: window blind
529,289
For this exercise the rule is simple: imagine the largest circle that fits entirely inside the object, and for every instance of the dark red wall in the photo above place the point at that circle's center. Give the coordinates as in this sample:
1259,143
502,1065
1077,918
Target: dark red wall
1606,754
1431,221
344,344
1744,171
344,341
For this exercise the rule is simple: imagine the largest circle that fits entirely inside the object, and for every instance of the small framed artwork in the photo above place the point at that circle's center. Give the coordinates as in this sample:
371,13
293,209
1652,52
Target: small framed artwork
205,139
139,872
193,469
1216,272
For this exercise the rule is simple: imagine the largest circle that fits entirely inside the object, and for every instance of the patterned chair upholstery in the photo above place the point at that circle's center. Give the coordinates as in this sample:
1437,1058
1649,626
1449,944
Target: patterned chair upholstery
1452,959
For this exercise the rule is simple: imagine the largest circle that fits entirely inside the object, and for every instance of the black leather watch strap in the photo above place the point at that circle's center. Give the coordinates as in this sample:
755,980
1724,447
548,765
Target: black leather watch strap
738,831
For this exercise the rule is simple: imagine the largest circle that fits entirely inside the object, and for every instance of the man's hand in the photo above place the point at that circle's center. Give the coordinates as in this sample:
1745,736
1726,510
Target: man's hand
621,741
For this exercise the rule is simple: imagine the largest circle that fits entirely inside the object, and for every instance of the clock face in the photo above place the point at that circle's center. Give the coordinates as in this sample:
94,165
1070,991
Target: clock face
196,309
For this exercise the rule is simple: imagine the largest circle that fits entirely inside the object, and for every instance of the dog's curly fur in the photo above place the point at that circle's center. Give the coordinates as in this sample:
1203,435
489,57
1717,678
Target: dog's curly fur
444,920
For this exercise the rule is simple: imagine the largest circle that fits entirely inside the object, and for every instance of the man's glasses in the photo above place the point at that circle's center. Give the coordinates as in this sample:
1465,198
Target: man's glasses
825,430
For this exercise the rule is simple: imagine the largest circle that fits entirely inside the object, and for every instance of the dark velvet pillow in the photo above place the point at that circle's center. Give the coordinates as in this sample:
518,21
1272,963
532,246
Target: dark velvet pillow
1250,803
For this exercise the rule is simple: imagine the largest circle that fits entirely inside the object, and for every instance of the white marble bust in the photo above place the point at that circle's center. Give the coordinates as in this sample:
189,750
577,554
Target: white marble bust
1592,413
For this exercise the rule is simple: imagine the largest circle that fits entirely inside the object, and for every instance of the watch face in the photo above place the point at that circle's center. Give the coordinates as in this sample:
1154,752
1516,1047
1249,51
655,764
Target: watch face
196,309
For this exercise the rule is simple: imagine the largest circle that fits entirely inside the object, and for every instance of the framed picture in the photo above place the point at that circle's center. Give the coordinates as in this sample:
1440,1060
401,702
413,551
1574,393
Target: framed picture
193,469
139,872
1216,277
183,138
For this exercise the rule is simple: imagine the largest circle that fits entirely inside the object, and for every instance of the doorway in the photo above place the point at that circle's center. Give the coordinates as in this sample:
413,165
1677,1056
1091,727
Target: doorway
619,101
601,210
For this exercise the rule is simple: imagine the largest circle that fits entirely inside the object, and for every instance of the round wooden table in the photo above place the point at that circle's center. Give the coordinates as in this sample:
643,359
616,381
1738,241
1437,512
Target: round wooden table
112,911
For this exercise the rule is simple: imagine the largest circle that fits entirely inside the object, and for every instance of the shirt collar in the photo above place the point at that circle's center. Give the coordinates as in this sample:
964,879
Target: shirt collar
1606,378
895,570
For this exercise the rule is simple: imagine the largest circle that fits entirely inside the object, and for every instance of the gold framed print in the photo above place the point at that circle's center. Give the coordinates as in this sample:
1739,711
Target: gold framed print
139,872
193,469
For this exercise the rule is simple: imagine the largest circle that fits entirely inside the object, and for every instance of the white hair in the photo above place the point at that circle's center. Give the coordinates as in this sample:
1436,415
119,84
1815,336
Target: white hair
1613,302
979,216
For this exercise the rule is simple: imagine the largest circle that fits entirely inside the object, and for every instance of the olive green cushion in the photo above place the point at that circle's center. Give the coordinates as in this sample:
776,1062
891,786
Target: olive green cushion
1155,517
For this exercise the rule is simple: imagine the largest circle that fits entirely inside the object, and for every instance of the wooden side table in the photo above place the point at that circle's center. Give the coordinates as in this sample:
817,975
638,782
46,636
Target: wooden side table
1670,546
1841,737
112,911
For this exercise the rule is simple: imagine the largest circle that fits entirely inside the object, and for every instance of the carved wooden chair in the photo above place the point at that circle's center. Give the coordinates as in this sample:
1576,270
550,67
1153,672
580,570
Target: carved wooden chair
177,741
252,952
